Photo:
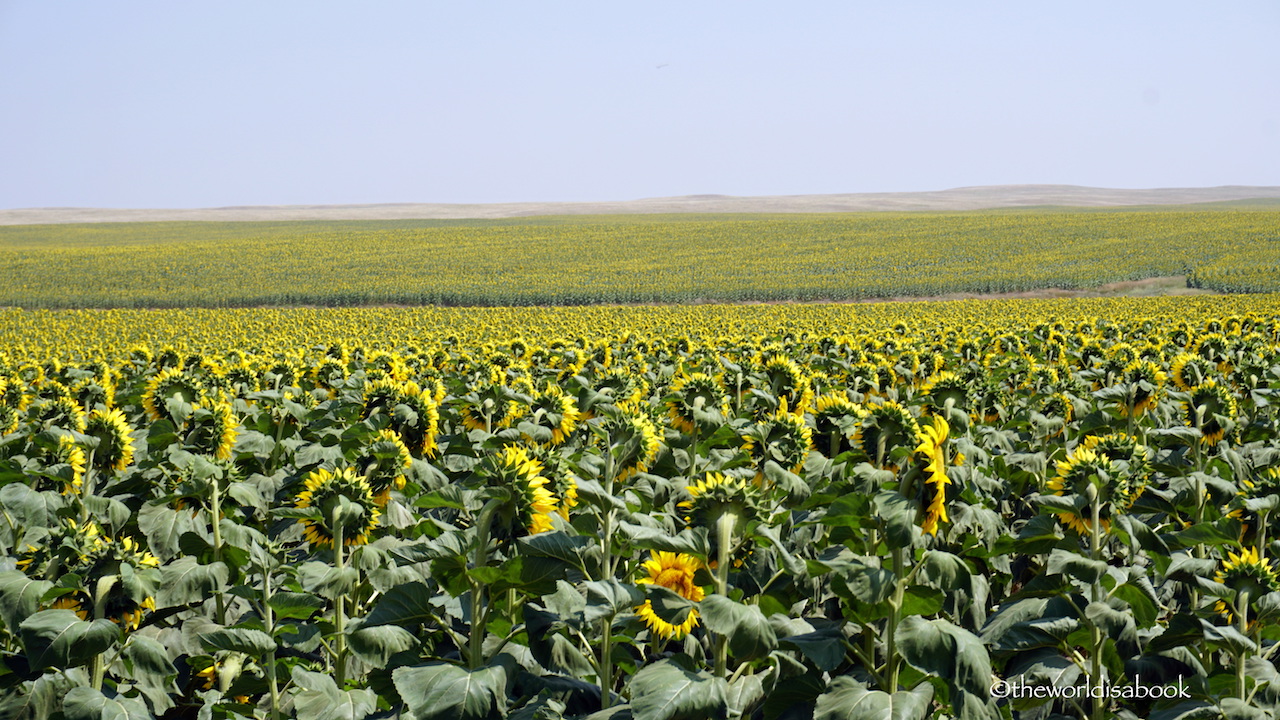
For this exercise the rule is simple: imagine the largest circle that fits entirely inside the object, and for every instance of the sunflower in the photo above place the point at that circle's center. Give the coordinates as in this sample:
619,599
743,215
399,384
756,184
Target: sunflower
420,427
531,505
673,571
215,428
555,412
489,407
886,426
784,379
1144,380
1188,371
693,395
561,479
1118,485
783,438
115,439
62,412
634,442
623,386
1212,409
1058,405
66,452
943,389
1245,572
835,420
167,384
1133,458
95,556
92,393
9,419
717,494
932,437
322,488
383,464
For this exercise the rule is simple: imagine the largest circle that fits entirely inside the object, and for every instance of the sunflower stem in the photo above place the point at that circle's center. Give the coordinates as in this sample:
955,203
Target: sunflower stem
1242,624
270,617
215,503
340,611
895,616
475,653
1262,535
1095,551
724,542
605,667
100,593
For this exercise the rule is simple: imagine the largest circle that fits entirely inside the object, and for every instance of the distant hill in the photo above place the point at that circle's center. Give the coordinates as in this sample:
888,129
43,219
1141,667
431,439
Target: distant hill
966,198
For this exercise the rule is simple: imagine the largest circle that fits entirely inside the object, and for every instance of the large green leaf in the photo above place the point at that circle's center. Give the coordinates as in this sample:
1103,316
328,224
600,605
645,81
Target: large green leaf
185,581
60,639
406,605
19,597
318,698
849,699
84,703
952,653
250,642
749,633
667,691
297,606
440,691
375,644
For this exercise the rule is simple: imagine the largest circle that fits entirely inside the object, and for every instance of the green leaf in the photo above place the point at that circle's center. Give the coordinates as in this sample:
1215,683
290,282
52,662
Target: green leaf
164,527
19,597
377,643
325,579
185,581
866,583
440,691
944,571
298,606
1086,570
953,653
318,698
848,699
406,605
60,639
149,659
667,605
84,703
607,598
749,633
823,646
898,514
250,642
666,691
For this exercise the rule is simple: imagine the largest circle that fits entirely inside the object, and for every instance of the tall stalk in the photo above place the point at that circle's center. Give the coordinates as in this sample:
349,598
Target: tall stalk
100,593
340,611
605,669
725,525
1095,552
475,650
215,503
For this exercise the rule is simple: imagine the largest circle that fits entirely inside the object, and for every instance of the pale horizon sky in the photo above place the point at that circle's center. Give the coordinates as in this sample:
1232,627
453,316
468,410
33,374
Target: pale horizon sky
194,104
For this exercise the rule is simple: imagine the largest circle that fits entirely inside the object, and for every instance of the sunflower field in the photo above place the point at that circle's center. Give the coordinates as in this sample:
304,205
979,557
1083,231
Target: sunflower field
1030,509
589,260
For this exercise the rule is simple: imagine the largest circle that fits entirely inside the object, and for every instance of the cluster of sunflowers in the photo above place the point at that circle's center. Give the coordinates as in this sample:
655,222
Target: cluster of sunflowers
798,514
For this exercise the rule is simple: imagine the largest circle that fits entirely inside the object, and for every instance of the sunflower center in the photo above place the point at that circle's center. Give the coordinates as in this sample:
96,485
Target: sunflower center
676,580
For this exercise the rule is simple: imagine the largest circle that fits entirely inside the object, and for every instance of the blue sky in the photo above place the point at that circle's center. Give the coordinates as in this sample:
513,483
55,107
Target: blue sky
196,104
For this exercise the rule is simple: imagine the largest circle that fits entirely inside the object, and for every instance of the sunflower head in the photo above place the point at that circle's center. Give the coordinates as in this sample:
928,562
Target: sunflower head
215,428
556,413
1212,409
530,504
167,384
943,390
60,412
784,379
490,407
383,464
886,427
9,419
345,492
93,556
633,440
696,399
1246,572
835,422
717,494
562,478
1144,380
675,572
1090,470
931,452
1188,371
784,438
115,439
